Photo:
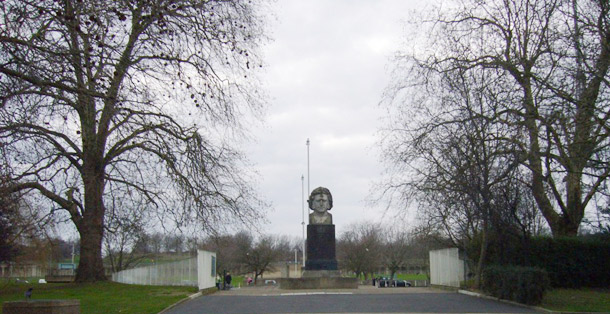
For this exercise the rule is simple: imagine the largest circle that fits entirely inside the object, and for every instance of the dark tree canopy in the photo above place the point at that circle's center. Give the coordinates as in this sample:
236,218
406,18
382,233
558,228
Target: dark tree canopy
7,229
137,99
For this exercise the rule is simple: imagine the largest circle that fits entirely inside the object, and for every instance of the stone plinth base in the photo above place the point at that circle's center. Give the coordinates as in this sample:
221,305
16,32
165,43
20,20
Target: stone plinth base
42,307
321,248
319,283
321,273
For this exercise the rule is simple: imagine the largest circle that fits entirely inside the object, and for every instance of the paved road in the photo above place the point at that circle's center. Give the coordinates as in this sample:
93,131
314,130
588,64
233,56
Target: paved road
392,300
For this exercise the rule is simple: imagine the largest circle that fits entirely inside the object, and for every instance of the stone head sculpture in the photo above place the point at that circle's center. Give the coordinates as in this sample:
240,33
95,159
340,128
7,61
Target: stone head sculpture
320,201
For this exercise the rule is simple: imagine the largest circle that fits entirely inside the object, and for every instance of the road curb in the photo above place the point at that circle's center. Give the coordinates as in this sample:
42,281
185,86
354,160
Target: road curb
190,297
537,308
484,296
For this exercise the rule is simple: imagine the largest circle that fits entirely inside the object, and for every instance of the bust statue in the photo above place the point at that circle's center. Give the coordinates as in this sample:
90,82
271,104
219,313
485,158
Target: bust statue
320,201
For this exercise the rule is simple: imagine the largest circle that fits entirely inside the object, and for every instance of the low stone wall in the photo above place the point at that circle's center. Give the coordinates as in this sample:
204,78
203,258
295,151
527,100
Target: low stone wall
319,283
59,278
42,307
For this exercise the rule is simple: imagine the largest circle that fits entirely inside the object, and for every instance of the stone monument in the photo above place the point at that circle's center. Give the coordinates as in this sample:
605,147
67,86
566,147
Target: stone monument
321,258
321,271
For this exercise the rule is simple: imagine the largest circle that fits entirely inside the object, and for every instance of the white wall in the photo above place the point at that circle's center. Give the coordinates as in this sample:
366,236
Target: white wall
446,268
178,273
206,269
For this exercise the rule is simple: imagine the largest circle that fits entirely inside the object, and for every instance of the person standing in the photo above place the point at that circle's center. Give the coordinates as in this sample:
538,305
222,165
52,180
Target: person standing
228,281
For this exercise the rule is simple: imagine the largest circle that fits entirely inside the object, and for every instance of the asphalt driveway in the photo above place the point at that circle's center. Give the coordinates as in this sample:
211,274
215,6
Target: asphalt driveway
363,300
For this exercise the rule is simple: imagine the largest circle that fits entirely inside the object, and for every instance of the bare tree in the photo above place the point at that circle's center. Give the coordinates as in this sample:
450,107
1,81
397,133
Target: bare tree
396,250
173,243
8,209
426,238
156,242
139,98
600,222
120,241
267,250
462,166
360,249
285,247
19,221
149,243
125,239
230,250
552,59
192,244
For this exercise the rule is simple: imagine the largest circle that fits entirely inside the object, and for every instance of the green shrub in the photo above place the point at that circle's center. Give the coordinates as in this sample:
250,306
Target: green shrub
571,262
468,284
520,284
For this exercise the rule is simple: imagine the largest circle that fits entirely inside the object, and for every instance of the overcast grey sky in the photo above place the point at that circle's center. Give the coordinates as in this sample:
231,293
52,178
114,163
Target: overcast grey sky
327,67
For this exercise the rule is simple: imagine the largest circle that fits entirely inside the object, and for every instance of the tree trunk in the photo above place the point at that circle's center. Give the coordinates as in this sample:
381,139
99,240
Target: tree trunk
91,227
482,256
559,223
566,226
90,266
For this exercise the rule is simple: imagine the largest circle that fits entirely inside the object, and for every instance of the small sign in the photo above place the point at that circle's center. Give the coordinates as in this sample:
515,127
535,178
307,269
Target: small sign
67,266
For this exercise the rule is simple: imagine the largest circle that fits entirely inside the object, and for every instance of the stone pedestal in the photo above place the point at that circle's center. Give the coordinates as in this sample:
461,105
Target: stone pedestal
42,307
321,271
321,248
318,283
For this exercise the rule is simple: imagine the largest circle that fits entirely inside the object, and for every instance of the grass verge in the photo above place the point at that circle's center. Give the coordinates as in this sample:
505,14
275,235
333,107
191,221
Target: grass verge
412,276
103,297
583,300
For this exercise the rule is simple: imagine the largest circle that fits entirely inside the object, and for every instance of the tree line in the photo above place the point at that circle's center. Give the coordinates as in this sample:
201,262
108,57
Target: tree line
365,249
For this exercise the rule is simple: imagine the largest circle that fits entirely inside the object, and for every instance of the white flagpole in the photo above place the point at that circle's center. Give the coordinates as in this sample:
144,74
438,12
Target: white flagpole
308,177
303,211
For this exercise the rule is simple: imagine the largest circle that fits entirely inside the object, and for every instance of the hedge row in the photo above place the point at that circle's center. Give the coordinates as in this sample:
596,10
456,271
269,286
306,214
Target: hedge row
520,284
570,262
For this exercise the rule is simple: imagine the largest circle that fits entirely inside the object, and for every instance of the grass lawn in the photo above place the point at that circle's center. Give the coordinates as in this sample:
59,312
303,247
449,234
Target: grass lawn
103,297
412,276
238,281
111,297
584,300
